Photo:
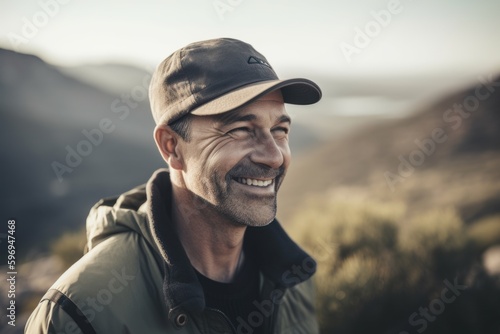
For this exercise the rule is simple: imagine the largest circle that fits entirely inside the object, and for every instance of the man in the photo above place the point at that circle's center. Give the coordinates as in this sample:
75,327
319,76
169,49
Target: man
197,249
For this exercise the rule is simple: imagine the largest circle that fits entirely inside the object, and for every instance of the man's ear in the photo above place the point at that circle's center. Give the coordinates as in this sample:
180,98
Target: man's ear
167,142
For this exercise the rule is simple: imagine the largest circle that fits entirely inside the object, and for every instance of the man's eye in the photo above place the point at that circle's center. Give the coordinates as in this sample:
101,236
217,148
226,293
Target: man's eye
281,130
242,129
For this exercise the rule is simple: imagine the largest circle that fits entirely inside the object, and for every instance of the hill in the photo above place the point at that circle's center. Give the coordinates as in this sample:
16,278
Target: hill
45,115
396,211
110,77
445,154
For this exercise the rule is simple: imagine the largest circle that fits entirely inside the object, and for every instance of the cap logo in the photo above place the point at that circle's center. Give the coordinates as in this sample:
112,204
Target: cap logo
255,60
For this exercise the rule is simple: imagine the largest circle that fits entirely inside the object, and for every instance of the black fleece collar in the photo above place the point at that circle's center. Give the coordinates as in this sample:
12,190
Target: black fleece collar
278,256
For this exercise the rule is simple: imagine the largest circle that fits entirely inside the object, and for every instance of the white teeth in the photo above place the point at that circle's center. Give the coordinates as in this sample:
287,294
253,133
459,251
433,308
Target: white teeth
254,182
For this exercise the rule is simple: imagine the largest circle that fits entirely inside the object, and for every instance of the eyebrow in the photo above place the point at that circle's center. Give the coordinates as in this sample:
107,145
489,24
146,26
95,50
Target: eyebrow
285,119
232,117
229,118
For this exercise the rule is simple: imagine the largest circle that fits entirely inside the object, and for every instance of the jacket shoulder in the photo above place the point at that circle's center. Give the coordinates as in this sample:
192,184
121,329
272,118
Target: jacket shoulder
297,310
109,286
57,314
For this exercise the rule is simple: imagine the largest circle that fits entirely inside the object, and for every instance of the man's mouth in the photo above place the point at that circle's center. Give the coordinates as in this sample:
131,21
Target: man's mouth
254,182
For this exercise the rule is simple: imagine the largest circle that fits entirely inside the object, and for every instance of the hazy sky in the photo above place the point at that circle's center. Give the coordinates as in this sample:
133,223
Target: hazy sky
410,36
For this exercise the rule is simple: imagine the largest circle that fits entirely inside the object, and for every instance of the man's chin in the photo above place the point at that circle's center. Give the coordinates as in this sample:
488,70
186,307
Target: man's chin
257,218
260,223
251,215
248,208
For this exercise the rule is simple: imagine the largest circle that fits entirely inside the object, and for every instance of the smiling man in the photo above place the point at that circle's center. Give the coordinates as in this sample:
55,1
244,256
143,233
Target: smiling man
198,249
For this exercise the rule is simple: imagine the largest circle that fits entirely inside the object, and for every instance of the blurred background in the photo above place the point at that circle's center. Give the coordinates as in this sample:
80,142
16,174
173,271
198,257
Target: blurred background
395,182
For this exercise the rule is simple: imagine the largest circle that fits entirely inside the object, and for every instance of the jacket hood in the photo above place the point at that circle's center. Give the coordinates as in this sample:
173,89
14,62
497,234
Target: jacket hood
122,214
146,210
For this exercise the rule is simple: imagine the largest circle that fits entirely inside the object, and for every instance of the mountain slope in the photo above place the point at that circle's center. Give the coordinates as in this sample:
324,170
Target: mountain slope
440,156
44,116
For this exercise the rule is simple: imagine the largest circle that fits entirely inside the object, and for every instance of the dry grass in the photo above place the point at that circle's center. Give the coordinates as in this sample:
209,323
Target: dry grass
69,247
377,264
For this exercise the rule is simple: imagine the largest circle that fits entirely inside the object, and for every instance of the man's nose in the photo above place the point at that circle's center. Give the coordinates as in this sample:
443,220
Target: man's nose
267,151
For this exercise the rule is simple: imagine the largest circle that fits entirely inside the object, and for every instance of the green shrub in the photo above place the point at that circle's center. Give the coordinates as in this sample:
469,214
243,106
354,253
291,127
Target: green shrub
376,266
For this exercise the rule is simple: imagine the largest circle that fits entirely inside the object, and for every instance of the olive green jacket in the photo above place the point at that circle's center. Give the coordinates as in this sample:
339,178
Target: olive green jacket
136,278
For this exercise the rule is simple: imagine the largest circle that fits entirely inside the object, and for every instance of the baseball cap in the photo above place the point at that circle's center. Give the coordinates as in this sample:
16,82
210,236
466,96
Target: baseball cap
216,76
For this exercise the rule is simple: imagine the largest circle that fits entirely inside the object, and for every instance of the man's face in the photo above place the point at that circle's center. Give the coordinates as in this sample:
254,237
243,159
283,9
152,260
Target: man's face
235,162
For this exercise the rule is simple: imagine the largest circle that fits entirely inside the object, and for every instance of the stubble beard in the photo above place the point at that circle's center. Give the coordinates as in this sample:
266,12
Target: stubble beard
243,209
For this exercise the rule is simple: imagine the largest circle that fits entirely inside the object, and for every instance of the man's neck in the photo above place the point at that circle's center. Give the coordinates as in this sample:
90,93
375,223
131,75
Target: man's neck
213,245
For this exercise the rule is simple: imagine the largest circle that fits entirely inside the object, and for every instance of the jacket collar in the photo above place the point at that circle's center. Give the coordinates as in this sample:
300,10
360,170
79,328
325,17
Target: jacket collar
278,256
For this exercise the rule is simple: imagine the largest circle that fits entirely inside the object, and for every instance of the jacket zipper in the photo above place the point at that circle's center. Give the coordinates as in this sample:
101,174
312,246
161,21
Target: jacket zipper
225,318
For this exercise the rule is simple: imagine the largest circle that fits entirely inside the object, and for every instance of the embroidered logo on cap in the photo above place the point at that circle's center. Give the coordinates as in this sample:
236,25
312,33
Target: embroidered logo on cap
255,60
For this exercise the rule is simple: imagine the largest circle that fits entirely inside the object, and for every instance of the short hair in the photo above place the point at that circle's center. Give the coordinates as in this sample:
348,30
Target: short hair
182,127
